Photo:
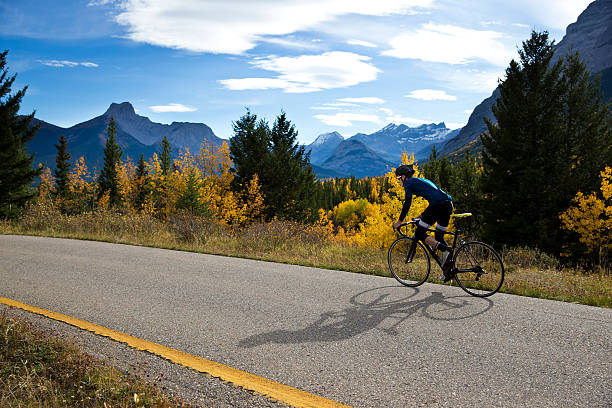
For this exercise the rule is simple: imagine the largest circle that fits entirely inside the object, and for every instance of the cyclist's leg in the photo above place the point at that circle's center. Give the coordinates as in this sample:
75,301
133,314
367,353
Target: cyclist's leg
425,221
443,219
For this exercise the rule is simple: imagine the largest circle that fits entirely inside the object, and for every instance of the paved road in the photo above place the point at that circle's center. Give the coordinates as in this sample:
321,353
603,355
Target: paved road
360,340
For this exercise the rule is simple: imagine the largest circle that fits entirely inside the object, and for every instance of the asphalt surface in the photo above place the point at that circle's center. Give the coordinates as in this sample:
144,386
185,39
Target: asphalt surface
360,340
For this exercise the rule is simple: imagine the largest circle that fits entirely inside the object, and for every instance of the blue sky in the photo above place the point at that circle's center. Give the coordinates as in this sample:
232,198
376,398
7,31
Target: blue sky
345,65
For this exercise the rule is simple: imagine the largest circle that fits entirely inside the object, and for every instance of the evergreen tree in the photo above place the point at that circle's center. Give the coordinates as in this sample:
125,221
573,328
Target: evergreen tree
587,127
289,188
109,178
249,150
62,168
190,198
165,157
16,172
438,170
141,177
539,136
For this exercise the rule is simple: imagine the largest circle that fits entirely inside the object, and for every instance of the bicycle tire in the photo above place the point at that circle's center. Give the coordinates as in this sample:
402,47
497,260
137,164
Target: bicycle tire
478,269
411,272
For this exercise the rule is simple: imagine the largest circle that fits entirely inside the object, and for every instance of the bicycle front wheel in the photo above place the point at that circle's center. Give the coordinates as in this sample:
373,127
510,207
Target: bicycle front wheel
478,269
409,262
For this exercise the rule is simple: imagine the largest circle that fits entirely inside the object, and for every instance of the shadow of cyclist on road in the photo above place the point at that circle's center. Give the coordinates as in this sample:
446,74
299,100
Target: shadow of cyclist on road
368,310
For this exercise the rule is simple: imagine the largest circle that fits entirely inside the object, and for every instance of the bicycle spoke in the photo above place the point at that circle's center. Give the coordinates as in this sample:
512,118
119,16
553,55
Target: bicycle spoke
408,261
479,269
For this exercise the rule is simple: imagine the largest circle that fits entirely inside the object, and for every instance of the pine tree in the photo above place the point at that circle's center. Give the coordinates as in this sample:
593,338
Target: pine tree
289,188
586,124
62,168
438,170
249,150
190,198
16,172
539,137
141,178
109,178
166,156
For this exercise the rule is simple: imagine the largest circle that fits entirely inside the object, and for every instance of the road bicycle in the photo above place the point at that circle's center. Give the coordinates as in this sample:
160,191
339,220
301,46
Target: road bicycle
475,266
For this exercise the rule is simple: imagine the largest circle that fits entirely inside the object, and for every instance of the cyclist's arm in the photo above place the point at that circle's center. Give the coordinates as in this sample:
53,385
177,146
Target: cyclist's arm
406,207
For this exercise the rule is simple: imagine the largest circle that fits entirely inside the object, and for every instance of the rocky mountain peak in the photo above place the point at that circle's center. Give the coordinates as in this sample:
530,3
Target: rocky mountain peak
120,110
591,35
326,137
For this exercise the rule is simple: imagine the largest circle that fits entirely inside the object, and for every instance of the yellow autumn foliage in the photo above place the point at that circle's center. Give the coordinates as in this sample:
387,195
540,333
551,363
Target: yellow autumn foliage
591,215
363,223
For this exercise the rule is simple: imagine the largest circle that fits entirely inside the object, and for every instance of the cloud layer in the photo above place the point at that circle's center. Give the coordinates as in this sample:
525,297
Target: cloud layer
308,73
172,107
66,63
431,95
235,26
451,45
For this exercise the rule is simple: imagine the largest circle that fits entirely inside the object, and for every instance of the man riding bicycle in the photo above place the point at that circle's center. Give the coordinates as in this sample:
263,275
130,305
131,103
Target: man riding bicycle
439,210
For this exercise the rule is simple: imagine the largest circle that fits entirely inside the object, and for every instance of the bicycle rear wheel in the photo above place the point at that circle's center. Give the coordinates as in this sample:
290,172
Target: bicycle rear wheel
409,262
478,269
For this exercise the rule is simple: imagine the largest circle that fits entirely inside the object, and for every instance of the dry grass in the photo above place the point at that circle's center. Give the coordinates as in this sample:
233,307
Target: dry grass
528,272
40,370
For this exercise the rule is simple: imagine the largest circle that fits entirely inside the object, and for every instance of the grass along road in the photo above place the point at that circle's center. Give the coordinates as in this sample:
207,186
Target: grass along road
528,272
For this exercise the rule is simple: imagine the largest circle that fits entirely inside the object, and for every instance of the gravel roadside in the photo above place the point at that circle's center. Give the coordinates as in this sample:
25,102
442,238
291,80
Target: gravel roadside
197,389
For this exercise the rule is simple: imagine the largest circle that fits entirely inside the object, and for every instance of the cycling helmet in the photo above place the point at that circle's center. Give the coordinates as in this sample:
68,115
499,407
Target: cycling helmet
404,169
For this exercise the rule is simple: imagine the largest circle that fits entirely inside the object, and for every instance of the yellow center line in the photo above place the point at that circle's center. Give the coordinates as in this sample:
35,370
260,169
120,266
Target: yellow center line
272,389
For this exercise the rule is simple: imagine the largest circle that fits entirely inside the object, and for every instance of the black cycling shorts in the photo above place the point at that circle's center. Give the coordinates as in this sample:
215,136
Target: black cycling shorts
439,213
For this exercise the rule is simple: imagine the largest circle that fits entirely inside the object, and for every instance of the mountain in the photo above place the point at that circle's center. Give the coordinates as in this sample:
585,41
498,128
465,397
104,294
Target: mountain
352,157
323,173
384,146
590,35
393,140
136,135
323,146
179,134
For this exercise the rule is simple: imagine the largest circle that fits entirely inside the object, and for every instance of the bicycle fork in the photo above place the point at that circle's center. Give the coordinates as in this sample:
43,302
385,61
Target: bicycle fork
411,252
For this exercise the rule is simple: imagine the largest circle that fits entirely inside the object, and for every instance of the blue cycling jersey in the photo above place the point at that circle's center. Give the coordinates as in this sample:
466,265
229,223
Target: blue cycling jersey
422,188
426,189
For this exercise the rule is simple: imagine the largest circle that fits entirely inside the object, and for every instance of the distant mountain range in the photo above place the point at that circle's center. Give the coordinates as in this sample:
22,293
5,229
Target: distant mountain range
136,135
364,155
590,35
331,155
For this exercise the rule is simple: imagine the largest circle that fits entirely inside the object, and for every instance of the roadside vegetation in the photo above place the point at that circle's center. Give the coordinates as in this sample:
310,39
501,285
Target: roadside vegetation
38,369
528,272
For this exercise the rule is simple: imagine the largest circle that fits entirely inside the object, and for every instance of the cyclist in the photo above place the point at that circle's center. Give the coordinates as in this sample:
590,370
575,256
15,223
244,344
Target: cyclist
439,210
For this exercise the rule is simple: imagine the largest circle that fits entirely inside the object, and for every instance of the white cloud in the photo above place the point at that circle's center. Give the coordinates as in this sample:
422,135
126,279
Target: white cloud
65,63
451,45
293,43
172,107
101,2
431,95
370,100
361,43
454,125
235,26
345,119
309,73
473,80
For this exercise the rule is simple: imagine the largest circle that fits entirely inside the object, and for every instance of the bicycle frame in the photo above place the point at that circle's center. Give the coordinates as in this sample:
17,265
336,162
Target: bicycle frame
431,251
